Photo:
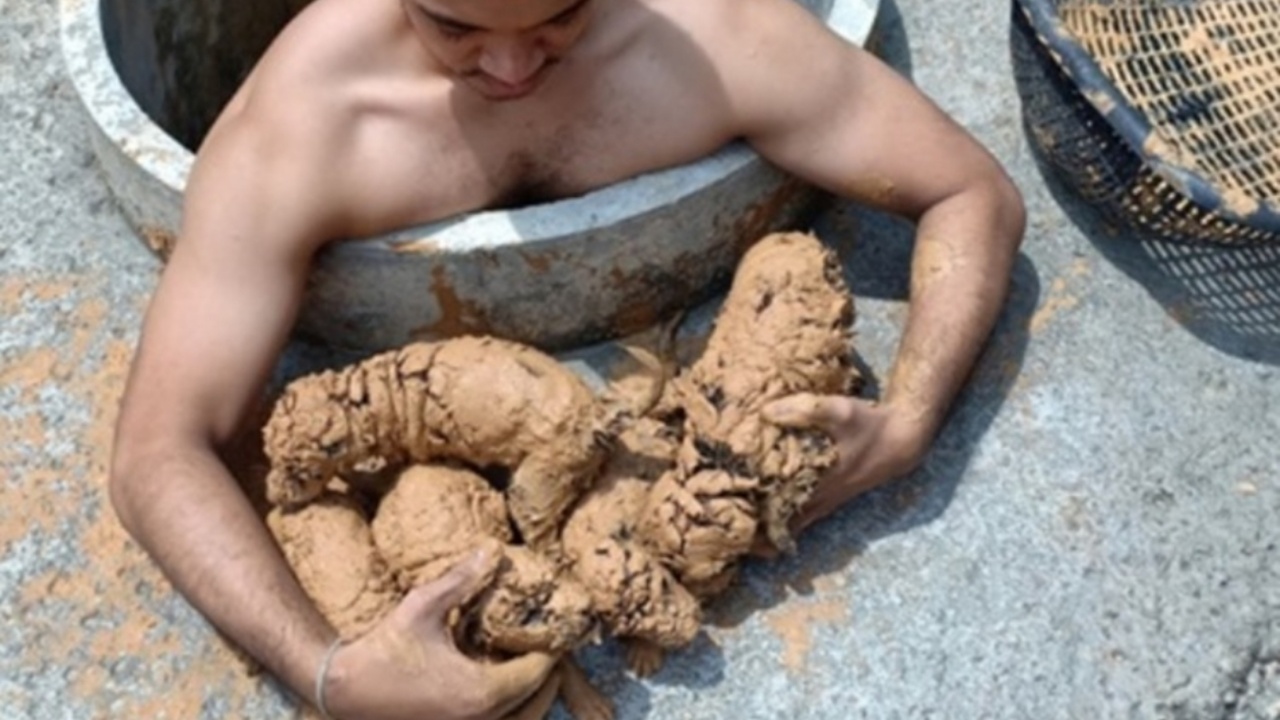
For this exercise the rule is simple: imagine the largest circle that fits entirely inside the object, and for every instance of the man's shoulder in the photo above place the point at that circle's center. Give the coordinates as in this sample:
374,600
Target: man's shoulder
316,65
301,95
708,19
699,21
732,34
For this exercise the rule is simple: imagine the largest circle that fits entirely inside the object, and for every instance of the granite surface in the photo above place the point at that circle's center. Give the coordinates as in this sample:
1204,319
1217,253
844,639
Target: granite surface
1094,535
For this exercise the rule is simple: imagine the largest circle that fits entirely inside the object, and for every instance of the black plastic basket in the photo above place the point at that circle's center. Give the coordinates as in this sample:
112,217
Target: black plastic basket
1163,113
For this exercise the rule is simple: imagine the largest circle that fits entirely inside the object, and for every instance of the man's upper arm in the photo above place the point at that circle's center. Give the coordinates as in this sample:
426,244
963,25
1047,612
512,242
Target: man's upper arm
835,115
253,217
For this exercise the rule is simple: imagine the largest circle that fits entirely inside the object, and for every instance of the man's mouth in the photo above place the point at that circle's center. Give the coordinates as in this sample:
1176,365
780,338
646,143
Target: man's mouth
495,89
499,90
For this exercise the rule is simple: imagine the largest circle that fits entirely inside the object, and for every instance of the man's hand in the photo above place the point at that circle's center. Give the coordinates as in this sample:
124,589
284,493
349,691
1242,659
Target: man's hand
408,668
874,444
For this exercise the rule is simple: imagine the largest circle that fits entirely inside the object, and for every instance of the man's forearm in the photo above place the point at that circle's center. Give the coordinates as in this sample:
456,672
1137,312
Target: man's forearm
188,512
965,247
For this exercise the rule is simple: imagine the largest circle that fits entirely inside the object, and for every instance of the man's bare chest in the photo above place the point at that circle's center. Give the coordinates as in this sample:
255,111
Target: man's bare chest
569,155
438,169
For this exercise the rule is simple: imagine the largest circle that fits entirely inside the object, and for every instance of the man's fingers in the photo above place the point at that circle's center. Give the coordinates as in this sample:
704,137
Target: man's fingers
454,587
512,682
806,410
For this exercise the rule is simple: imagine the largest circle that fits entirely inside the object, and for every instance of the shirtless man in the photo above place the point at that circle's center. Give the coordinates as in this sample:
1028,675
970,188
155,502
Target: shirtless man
369,115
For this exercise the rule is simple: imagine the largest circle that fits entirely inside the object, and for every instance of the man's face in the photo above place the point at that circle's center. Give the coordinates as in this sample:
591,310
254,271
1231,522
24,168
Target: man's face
502,49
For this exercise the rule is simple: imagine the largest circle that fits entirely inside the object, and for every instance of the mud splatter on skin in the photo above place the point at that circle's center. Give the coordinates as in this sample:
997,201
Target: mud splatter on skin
874,190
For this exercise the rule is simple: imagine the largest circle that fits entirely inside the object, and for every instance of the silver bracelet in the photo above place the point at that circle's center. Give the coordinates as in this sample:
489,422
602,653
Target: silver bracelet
321,676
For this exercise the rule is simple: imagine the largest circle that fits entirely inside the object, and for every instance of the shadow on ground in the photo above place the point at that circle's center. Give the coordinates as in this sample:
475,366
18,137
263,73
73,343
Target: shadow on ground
888,38
1227,297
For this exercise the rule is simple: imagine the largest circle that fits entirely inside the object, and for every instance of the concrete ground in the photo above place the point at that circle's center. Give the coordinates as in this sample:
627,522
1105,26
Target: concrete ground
1095,534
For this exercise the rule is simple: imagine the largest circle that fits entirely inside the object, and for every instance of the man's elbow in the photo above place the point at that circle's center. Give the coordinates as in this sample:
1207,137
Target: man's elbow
1009,210
137,463
125,481
984,198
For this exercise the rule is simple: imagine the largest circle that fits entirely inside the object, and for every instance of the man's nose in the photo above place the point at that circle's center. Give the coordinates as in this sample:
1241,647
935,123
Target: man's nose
512,60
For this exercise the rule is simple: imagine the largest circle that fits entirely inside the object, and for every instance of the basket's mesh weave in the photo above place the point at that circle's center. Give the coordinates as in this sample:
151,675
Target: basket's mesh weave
1206,75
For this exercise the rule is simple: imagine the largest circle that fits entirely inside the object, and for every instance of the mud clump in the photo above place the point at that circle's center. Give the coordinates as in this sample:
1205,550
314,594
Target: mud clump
331,551
700,525
784,328
635,594
435,516
613,521
481,400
